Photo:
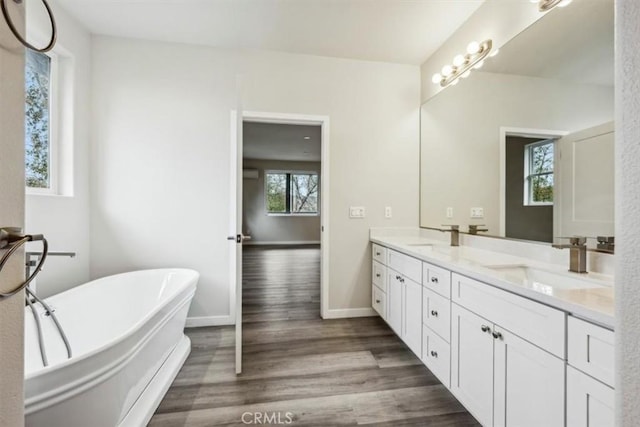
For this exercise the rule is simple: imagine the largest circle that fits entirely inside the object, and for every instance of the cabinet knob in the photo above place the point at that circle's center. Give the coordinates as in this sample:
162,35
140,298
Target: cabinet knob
401,280
497,335
377,253
434,353
377,274
485,328
377,301
434,313
434,280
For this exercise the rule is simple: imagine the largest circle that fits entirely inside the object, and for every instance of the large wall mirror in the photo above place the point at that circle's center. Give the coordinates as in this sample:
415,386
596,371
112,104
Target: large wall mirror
525,145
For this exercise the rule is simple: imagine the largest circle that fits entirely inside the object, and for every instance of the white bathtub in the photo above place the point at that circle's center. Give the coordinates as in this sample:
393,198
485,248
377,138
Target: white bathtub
127,339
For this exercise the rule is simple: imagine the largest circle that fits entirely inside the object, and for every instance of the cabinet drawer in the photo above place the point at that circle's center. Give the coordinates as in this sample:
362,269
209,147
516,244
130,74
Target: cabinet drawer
406,265
437,279
590,349
436,313
379,253
436,355
537,323
379,275
379,301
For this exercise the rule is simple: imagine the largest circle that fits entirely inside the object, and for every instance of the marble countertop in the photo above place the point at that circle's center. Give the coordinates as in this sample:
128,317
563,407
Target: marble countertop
588,296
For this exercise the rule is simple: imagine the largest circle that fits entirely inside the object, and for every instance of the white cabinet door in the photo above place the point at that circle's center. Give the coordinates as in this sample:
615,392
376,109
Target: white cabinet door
529,384
412,327
394,301
589,402
472,363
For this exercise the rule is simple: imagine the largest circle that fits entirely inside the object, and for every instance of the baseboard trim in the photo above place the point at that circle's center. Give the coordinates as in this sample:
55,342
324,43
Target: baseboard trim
200,322
291,243
343,313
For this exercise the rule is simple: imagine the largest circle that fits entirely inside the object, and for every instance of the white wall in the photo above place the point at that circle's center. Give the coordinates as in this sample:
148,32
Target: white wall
460,135
64,220
627,213
12,214
265,228
160,170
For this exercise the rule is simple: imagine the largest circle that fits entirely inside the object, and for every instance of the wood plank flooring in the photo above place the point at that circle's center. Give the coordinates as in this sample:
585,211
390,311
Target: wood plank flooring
317,372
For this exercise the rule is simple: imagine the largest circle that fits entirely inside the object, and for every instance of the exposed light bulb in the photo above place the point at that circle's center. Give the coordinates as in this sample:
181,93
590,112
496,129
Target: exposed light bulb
473,48
564,3
458,60
494,53
466,74
447,70
437,77
478,65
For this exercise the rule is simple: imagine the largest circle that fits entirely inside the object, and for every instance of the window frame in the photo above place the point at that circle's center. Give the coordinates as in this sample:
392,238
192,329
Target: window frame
54,122
289,195
528,176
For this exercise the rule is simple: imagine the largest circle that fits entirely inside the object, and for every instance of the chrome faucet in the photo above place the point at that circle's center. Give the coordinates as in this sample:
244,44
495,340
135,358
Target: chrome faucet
474,229
577,254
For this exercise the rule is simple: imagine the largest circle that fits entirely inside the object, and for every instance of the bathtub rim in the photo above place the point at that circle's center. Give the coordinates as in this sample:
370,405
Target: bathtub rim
127,333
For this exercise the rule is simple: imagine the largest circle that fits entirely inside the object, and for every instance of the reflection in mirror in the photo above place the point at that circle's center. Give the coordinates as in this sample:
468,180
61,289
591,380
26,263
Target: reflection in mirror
525,145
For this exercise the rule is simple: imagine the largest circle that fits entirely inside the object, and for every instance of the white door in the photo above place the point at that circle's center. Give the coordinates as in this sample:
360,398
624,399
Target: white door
584,189
529,384
472,363
589,402
236,228
12,215
412,316
394,301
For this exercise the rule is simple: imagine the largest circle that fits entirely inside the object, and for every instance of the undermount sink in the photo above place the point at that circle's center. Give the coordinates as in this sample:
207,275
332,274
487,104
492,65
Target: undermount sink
545,281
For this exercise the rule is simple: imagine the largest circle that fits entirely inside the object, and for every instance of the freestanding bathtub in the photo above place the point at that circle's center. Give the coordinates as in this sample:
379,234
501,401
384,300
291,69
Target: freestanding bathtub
127,337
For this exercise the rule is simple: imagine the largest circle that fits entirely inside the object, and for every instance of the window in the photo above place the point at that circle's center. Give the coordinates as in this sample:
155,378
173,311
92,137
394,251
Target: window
291,193
38,134
538,166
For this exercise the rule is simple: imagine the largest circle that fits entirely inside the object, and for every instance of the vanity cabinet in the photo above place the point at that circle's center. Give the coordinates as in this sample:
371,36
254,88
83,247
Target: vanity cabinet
397,294
590,374
510,360
497,375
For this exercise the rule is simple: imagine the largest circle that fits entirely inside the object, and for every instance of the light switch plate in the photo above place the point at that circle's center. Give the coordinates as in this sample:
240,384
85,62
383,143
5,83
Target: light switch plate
477,212
356,212
388,212
449,212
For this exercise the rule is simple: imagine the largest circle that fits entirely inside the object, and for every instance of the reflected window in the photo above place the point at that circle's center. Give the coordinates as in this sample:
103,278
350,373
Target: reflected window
538,166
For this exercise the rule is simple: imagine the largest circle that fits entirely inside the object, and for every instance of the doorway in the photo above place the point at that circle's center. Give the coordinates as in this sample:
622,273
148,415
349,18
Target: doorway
289,186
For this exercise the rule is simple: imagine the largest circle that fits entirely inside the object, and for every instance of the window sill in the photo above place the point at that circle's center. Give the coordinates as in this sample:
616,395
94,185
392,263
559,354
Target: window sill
30,193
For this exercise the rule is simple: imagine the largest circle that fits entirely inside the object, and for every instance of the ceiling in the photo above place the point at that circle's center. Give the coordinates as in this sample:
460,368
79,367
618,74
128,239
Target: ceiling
402,31
269,141
575,43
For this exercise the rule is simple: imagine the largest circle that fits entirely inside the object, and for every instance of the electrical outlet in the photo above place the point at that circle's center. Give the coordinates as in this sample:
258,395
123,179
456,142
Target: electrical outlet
356,212
477,212
449,212
388,213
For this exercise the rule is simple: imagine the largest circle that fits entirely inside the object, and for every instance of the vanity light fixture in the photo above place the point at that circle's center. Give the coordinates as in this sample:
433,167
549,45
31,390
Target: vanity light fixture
547,5
462,64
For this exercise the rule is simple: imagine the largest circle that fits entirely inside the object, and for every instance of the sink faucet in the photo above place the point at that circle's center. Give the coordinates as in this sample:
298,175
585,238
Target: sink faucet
577,255
475,228
455,234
